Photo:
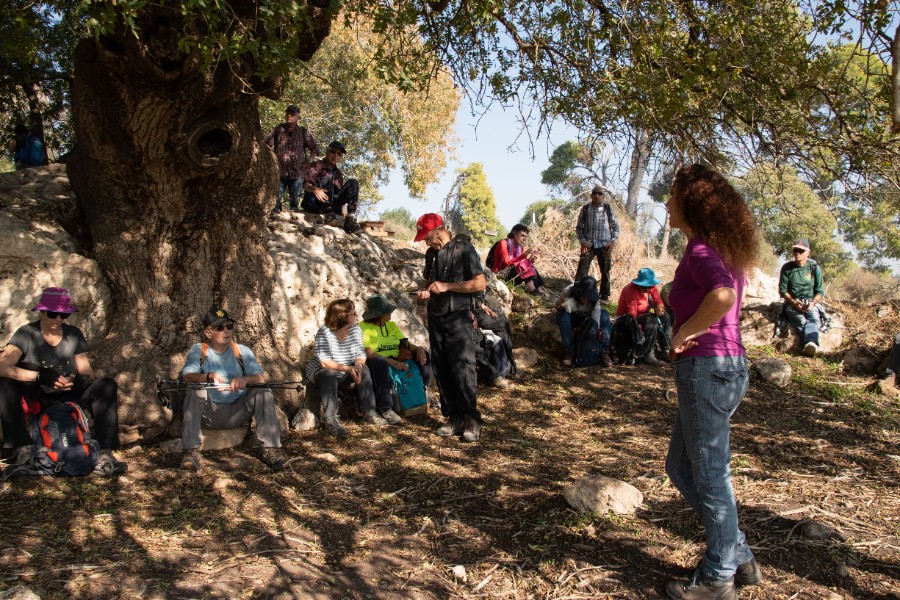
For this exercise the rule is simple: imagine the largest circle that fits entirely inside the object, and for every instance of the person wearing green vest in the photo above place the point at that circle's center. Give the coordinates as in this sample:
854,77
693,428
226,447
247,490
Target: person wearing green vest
387,347
802,287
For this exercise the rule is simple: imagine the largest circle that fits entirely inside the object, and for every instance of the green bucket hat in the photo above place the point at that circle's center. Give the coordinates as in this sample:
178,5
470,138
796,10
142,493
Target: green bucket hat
376,306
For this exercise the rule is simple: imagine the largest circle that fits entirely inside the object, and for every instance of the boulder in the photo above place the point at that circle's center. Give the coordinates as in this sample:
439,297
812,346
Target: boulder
220,439
761,288
758,328
774,371
543,330
526,357
885,387
600,494
860,360
304,420
19,592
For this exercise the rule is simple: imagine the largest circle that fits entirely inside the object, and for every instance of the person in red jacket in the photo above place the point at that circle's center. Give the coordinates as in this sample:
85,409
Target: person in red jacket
636,300
511,252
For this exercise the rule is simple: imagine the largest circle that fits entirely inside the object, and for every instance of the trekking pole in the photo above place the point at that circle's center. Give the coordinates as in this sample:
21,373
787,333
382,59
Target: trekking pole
166,386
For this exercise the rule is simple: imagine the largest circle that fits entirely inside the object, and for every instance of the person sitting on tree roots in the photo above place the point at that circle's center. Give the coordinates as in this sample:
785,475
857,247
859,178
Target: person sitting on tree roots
45,363
227,367
801,285
326,193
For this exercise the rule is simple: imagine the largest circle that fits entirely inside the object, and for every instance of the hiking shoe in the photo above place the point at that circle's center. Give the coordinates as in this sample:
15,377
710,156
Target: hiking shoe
471,430
190,459
391,417
567,359
500,382
333,427
651,360
605,359
350,224
701,588
810,349
452,427
747,573
372,417
107,465
273,458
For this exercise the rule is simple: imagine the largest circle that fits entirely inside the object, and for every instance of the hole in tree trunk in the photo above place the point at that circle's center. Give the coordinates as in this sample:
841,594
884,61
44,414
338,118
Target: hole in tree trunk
211,142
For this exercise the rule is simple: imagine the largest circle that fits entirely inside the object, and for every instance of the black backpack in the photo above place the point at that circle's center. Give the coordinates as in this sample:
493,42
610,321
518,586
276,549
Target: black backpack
627,337
489,261
62,442
587,343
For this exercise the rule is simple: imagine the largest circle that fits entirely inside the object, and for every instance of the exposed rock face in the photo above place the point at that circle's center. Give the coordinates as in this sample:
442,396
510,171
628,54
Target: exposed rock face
600,494
774,371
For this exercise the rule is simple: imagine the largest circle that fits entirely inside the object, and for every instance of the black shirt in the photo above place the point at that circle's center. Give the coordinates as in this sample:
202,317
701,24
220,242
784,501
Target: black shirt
456,262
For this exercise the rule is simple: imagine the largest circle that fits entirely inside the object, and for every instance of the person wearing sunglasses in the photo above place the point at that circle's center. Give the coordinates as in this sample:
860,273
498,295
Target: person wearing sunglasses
227,368
326,192
46,362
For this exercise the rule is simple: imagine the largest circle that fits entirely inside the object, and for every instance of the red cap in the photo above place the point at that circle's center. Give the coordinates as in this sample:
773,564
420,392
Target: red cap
427,223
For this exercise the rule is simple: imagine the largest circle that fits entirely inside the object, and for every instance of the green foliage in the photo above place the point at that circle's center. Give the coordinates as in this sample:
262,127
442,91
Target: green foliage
871,222
572,166
786,208
536,210
341,97
401,216
477,207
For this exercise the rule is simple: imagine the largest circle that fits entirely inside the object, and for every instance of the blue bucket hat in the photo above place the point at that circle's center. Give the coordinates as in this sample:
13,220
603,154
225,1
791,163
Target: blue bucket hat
646,278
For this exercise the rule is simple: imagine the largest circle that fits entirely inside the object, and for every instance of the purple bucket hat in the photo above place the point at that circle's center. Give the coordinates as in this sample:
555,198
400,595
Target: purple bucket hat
56,299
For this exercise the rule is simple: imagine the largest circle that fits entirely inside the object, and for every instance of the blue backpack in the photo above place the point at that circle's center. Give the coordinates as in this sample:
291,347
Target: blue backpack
62,442
408,386
587,344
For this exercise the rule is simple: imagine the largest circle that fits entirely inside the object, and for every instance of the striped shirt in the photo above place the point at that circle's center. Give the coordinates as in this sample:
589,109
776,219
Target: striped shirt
597,226
328,347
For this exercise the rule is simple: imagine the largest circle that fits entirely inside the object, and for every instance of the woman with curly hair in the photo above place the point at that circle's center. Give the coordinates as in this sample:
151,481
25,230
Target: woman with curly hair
710,372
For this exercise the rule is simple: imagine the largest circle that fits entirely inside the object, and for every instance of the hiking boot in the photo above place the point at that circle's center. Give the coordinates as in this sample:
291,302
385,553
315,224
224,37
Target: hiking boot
747,573
567,359
190,459
373,418
273,458
350,224
107,465
452,427
471,430
333,220
605,359
391,417
810,349
20,463
701,588
651,360
500,382
333,427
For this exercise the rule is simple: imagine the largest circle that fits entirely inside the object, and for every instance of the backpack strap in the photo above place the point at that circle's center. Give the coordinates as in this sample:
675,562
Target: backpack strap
204,348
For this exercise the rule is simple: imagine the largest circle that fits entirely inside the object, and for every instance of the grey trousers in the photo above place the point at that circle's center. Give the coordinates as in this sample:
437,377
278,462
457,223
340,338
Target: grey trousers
258,403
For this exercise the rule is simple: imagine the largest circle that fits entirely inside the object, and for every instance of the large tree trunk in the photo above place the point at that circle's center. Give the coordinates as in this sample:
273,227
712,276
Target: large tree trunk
639,157
173,180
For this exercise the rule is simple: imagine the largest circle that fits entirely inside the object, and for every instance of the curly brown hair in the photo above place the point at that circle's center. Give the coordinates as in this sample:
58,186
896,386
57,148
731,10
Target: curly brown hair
338,313
716,212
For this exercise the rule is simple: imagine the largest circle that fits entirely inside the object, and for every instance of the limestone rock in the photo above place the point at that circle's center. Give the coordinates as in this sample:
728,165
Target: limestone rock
860,361
526,357
220,439
885,387
813,530
304,420
761,288
543,330
600,494
758,328
774,371
19,592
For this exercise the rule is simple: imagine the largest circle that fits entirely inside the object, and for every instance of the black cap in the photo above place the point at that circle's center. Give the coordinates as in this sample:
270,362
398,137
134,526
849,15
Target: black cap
292,108
215,316
336,145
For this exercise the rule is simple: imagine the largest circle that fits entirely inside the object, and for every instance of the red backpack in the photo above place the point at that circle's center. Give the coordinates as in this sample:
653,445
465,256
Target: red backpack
62,442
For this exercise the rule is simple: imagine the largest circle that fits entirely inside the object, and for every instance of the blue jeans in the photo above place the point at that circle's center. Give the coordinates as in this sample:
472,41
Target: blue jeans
806,323
699,460
294,187
569,321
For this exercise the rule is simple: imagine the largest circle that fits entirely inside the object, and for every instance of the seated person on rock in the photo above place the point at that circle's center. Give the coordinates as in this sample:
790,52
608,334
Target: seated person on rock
339,362
801,285
325,191
228,368
384,342
578,302
510,258
46,363
636,301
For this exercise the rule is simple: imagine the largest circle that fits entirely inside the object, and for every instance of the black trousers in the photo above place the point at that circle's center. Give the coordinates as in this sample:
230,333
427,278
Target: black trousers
604,261
452,339
348,194
100,398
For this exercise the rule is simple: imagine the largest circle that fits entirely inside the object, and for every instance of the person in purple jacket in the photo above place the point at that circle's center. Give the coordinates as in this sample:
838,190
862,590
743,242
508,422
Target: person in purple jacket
710,372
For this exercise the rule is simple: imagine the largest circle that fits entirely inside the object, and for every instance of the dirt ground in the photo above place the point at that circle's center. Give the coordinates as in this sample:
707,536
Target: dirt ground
390,512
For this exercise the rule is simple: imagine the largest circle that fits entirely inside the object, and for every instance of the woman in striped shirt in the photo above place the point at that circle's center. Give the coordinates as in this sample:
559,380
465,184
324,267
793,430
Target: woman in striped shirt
340,362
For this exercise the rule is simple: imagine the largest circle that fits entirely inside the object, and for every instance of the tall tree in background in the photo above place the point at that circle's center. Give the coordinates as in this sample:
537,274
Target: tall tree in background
577,166
476,206
341,96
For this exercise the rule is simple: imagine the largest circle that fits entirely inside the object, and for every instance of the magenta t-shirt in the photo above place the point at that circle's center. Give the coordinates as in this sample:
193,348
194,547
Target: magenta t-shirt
701,271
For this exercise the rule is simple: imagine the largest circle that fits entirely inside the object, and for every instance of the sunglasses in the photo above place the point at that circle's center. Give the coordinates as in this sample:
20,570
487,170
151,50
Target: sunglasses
53,314
223,326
